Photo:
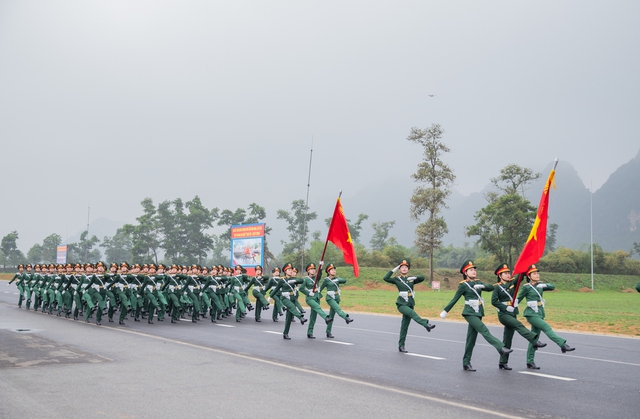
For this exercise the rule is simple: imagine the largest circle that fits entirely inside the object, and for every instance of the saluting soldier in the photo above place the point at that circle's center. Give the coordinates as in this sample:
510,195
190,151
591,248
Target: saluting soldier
534,313
471,289
507,305
312,298
332,284
406,299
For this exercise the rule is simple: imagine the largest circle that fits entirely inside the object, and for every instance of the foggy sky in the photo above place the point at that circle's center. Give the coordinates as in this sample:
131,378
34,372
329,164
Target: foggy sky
105,103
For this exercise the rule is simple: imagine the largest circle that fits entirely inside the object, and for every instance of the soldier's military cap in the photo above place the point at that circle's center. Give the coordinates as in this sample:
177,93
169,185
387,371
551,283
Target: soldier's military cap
238,267
125,264
502,269
275,269
310,266
28,265
21,266
162,265
152,266
287,266
406,262
51,266
329,267
531,269
258,267
466,266
88,265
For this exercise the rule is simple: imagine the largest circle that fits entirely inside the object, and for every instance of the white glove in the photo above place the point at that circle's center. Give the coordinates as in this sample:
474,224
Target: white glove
515,303
311,293
541,286
510,309
394,270
443,314
291,281
269,300
411,278
478,286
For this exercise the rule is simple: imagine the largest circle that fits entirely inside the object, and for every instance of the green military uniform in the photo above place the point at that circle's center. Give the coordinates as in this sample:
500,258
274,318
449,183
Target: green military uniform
406,300
277,303
19,277
534,313
173,289
638,287
471,290
312,298
259,283
210,288
506,304
332,285
286,289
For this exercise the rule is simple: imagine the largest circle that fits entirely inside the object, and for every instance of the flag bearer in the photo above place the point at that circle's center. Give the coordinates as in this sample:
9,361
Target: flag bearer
471,288
286,289
332,285
504,300
313,299
534,313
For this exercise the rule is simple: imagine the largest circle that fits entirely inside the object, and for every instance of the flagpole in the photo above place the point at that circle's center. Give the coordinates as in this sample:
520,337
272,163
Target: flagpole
306,207
319,270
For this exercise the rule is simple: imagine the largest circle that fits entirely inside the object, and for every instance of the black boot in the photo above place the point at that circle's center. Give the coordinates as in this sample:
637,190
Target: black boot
348,319
468,367
330,336
504,350
504,366
310,336
429,327
539,344
328,320
286,337
566,348
401,349
532,366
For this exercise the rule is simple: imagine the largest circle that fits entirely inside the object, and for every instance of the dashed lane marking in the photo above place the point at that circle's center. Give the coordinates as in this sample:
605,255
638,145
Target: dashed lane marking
426,356
555,377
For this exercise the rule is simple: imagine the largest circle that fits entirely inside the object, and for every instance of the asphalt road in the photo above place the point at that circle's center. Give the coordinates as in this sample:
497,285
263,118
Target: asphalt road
56,367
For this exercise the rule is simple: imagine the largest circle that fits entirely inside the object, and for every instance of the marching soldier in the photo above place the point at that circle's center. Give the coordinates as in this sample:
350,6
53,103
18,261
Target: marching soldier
286,288
471,289
534,313
405,301
20,284
504,300
312,298
277,303
259,284
332,285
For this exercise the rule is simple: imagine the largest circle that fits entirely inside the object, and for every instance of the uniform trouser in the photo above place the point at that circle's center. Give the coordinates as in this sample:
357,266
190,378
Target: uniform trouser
174,302
77,298
216,306
291,311
512,325
94,299
407,315
260,302
162,304
335,309
37,298
205,302
152,304
21,294
298,306
112,304
195,300
240,308
125,305
539,325
52,298
67,300
136,303
476,326
277,307
316,310
44,293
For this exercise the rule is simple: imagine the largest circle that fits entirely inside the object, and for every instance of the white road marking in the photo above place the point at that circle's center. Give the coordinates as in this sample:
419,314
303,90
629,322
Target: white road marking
426,356
224,325
269,331
555,377
339,343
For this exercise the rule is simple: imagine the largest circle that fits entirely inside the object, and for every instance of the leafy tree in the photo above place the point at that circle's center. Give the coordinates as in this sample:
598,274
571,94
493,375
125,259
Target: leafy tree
297,228
196,222
380,234
118,248
50,248
636,249
145,236
34,255
84,251
514,179
550,243
503,226
9,248
437,178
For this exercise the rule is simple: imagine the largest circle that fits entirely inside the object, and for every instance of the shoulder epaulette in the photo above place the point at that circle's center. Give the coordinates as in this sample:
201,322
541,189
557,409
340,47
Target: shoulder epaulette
463,281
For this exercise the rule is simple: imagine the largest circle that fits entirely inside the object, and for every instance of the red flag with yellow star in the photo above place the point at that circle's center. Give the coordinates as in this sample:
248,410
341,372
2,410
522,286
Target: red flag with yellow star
340,236
534,247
